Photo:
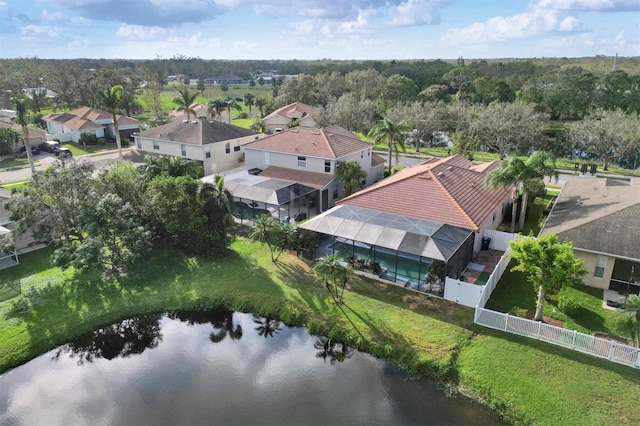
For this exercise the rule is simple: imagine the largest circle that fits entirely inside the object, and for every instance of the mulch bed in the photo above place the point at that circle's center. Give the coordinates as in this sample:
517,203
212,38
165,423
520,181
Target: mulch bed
546,319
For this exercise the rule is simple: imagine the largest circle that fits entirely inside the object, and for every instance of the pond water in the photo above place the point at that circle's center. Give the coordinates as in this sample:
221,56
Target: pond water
219,367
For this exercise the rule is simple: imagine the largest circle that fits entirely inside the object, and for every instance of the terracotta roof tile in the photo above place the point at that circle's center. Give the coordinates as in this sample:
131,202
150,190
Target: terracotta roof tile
311,179
330,142
448,190
84,118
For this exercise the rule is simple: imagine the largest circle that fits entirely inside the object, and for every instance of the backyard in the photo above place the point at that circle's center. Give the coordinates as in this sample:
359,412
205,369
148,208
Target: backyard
46,306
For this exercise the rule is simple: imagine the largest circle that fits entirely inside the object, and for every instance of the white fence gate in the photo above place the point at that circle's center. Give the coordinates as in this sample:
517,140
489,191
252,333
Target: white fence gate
571,339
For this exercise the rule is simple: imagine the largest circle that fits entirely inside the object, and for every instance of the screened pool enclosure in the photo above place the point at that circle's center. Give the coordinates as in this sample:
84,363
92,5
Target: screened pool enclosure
397,248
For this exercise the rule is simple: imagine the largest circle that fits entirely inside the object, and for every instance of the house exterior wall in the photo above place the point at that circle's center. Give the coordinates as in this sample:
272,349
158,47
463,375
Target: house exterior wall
275,122
590,265
490,224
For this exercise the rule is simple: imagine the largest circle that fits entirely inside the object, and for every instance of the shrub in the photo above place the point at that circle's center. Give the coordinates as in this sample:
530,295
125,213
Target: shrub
567,302
88,138
243,115
101,141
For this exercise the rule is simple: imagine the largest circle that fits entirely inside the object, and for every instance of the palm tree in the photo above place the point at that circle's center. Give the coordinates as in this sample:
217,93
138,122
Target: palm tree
109,98
185,101
262,231
260,103
522,175
216,107
267,326
232,104
392,132
333,274
249,99
217,202
223,321
285,235
21,104
350,175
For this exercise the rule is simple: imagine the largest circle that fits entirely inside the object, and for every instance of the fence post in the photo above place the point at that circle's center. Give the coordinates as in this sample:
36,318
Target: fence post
637,359
539,327
475,316
506,322
573,341
613,346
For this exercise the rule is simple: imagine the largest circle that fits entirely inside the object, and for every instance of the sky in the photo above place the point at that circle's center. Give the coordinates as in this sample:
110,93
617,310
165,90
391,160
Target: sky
318,29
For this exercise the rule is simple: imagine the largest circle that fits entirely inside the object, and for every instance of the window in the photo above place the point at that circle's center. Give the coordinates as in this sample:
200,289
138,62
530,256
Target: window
327,166
601,265
156,145
207,152
335,194
227,147
302,161
266,158
183,149
138,143
236,148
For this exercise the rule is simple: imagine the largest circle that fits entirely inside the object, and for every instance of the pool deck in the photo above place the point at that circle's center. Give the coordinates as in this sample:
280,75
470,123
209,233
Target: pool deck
484,261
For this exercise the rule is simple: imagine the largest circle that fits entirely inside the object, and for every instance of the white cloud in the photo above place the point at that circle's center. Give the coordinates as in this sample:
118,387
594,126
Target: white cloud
80,43
591,5
539,21
138,32
2,3
33,32
360,24
417,12
63,19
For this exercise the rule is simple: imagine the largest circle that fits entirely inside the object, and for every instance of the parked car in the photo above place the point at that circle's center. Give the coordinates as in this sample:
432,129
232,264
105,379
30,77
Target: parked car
50,146
63,152
34,149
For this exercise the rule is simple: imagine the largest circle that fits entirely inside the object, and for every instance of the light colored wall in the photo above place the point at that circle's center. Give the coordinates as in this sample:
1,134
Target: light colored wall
590,266
275,122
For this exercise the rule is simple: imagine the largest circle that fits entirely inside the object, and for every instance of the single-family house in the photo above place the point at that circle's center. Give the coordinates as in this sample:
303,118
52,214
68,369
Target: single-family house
36,136
601,217
438,210
69,126
200,110
215,144
293,172
280,119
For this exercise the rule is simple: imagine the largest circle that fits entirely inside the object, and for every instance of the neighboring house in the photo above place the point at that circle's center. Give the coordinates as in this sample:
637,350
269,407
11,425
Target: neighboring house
69,126
279,119
601,217
36,136
199,108
215,144
437,210
224,79
309,156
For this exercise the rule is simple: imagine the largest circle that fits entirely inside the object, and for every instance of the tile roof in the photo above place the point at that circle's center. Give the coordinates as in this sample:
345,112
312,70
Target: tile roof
199,108
312,179
292,111
449,190
196,132
329,142
84,118
598,214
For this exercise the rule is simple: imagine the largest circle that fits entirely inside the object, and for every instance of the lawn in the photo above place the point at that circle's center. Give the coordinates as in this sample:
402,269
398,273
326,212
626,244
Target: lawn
15,163
429,337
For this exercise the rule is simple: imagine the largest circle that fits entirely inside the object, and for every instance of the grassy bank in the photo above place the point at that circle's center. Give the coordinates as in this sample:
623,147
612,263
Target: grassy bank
526,380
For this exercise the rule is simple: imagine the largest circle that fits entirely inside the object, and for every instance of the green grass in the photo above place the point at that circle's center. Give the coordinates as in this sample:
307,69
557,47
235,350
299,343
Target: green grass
242,122
15,163
514,294
525,380
535,214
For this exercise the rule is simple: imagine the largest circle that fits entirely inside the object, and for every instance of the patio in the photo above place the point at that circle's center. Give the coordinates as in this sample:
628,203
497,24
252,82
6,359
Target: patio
481,266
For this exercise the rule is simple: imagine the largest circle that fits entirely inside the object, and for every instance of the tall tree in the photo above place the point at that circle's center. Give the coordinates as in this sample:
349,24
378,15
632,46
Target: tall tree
505,127
608,135
110,98
350,175
232,104
185,101
392,132
263,231
524,175
215,108
21,105
217,204
550,265
249,99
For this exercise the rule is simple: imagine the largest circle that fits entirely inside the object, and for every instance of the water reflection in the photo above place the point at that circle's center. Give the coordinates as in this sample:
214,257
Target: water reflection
269,376
128,337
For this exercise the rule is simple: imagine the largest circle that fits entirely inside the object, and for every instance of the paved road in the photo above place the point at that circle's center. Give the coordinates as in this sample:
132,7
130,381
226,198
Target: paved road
46,159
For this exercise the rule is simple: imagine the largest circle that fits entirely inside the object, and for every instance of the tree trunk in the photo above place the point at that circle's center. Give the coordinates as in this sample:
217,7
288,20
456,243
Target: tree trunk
116,130
606,164
27,147
540,304
523,210
390,154
514,209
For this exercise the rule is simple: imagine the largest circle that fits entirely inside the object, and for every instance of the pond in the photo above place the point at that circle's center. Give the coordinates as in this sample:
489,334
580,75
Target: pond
219,367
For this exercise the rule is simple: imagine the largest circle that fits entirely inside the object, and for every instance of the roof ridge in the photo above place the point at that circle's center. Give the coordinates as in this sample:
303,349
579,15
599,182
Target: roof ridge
455,202
326,139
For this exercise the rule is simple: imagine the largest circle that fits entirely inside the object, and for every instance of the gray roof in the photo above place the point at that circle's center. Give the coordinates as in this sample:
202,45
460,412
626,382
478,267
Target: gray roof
262,189
196,132
600,215
419,237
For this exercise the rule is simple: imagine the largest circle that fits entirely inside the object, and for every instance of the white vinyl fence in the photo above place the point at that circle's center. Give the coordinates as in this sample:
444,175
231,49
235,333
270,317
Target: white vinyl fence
571,339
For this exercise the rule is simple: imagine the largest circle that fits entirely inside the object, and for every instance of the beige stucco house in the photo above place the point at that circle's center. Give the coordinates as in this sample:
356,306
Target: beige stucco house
280,119
601,217
217,145
68,126
36,136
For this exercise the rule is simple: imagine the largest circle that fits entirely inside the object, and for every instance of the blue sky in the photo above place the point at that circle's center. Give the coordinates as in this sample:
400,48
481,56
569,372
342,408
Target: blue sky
316,29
